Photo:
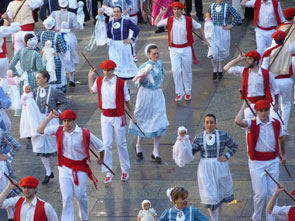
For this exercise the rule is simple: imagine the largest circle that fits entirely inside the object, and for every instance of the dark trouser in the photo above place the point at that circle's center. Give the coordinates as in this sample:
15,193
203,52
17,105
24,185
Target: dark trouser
95,7
198,6
48,6
85,10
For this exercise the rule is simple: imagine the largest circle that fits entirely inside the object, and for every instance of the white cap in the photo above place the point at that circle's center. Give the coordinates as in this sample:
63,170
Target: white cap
80,4
63,3
65,27
168,192
147,47
144,202
49,23
182,128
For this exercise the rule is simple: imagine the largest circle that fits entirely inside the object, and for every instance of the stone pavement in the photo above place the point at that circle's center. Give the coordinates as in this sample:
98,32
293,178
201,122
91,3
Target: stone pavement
148,180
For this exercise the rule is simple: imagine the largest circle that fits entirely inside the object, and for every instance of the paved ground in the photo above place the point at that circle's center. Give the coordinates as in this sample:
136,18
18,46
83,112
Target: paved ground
148,180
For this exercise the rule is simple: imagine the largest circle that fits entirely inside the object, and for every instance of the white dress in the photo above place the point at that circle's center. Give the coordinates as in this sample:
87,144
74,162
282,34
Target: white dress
100,31
48,59
211,38
30,117
147,215
13,92
182,151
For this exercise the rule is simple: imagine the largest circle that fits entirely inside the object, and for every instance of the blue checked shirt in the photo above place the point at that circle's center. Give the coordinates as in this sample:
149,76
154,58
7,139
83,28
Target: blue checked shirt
225,141
218,17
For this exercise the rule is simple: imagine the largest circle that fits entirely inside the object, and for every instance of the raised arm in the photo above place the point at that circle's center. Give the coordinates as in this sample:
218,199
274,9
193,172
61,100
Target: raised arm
239,120
234,62
273,199
41,127
90,80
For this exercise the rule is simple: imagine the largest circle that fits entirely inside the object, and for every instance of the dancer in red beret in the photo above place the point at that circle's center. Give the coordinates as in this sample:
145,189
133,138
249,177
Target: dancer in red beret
112,95
180,39
29,207
72,154
278,60
257,83
265,142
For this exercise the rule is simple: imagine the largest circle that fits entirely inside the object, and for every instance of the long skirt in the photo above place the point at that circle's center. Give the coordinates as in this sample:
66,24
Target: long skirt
121,54
150,113
222,41
215,182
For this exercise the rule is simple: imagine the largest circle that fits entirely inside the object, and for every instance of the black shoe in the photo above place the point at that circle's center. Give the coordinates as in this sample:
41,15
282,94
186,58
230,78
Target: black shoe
72,84
47,178
157,159
138,155
160,29
220,75
214,76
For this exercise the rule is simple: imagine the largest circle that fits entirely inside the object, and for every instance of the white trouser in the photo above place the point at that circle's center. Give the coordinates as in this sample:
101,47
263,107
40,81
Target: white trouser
181,63
3,72
285,86
262,185
108,125
67,187
18,40
263,39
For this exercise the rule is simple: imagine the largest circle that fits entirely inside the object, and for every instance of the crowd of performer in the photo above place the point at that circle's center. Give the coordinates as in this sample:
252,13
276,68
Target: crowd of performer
34,83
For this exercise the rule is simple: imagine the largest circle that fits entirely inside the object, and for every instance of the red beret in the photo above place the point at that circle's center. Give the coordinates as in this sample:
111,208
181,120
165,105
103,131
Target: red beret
177,4
262,104
289,13
279,35
108,64
68,114
29,181
253,54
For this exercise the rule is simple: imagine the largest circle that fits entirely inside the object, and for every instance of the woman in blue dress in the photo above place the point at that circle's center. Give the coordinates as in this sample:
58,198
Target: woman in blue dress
119,48
181,211
150,108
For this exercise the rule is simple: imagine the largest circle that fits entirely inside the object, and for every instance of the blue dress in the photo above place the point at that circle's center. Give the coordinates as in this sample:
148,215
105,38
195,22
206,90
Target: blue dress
190,213
150,107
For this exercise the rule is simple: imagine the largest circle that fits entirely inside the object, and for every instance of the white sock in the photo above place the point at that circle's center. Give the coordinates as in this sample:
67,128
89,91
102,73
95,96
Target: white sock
220,66
46,163
213,214
139,144
214,65
72,75
156,146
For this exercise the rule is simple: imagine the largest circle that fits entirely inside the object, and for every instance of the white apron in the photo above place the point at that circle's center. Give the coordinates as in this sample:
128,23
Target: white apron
214,178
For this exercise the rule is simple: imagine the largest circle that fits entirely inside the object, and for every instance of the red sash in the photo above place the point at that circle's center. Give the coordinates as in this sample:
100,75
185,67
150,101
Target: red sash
39,214
257,5
291,214
4,49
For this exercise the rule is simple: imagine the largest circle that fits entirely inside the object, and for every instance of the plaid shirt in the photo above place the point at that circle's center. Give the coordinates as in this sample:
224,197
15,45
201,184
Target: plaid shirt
225,141
218,17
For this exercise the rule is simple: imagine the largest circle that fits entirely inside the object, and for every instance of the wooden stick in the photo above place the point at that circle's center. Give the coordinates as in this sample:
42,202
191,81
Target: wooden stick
198,35
102,163
245,99
286,168
279,184
17,186
90,64
135,124
237,47
278,115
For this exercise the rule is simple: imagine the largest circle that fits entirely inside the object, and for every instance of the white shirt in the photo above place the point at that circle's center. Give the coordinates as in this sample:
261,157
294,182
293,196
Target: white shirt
266,140
6,31
32,3
265,63
179,29
108,92
255,81
266,16
28,209
73,147
281,212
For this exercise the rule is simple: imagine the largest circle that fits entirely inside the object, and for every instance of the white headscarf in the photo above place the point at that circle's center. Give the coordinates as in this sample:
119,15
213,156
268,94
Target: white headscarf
144,202
181,129
32,42
147,47
49,23
169,191
63,3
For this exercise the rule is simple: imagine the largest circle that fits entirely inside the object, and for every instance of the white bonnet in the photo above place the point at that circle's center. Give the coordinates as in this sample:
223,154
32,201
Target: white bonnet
144,202
182,128
147,47
63,3
48,44
49,23
24,87
168,192
81,4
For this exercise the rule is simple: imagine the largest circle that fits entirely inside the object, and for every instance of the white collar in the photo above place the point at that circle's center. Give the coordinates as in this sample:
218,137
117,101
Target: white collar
33,202
180,19
113,80
77,129
258,121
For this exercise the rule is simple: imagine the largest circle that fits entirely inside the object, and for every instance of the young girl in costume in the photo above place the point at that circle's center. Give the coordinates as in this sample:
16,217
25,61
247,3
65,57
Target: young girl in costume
48,54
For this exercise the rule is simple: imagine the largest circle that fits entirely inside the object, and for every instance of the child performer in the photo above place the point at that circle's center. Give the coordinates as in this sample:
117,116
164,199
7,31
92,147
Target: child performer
80,14
146,213
48,54
210,36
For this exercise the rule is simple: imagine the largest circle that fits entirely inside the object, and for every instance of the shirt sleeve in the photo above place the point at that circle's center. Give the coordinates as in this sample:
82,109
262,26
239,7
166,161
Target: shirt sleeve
50,212
281,212
140,214
10,203
265,63
281,13
164,216
236,70
236,16
130,4
13,62
6,31
153,212
96,143
198,215
292,47
134,28
51,130
62,99
13,144
196,25
250,3
249,121
94,87
273,85
126,92
5,101
35,3
195,146
232,145
162,23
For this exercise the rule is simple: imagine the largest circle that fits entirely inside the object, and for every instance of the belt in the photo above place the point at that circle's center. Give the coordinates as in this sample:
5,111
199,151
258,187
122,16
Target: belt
28,27
267,28
109,112
133,14
3,55
283,76
180,46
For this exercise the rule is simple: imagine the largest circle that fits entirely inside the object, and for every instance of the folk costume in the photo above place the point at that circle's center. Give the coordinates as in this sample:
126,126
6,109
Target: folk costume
5,31
72,155
263,151
217,190
112,95
5,165
188,213
120,53
278,60
267,16
146,215
59,47
37,209
255,86
24,18
180,40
